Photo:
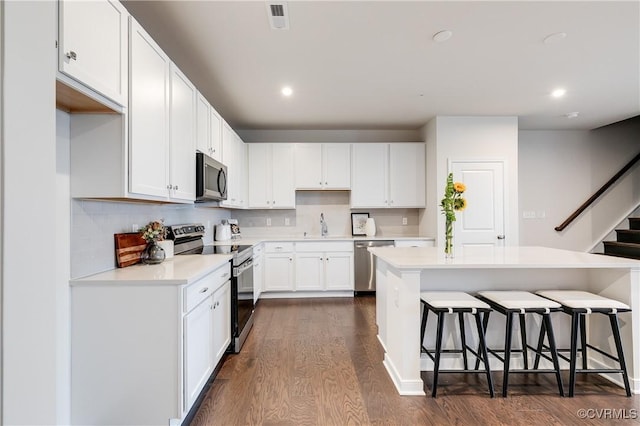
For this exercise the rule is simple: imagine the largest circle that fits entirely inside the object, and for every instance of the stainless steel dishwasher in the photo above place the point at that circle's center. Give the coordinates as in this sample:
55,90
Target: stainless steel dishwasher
365,266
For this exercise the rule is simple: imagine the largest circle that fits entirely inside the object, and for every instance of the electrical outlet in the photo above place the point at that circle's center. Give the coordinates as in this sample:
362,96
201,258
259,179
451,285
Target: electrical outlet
287,221
135,227
404,220
528,214
268,221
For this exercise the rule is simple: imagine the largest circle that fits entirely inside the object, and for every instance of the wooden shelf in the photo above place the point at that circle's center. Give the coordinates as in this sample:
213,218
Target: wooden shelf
74,102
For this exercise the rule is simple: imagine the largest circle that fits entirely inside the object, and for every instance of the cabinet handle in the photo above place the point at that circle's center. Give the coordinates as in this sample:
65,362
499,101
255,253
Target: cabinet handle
320,183
175,187
390,203
274,202
204,290
169,187
326,183
268,202
71,55
501,237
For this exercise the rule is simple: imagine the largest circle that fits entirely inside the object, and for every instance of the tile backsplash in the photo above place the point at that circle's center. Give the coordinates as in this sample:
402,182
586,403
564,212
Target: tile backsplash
337,212
93,224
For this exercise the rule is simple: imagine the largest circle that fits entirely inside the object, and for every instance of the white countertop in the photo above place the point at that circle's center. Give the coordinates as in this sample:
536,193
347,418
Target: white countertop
178,270
497,257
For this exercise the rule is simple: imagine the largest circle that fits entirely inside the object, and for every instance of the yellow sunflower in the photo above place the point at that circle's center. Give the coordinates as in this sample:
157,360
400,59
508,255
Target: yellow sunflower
459,187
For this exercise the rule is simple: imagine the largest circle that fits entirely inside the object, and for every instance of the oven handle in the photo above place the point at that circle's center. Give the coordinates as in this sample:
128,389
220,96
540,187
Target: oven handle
243,267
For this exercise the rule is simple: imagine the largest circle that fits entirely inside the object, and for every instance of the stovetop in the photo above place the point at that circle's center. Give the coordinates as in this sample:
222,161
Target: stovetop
225,248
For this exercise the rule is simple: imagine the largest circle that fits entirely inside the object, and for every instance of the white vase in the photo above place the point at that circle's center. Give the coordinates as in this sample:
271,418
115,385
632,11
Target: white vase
167,245
370,227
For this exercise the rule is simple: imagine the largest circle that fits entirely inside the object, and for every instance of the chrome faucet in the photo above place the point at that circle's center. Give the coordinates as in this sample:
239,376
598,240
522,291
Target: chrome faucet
323,226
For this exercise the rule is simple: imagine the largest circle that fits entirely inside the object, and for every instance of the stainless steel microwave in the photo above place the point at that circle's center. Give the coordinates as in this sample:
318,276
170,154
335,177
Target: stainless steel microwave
211,179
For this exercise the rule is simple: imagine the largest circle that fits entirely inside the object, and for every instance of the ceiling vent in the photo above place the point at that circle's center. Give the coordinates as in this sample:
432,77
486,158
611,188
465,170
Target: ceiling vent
278,15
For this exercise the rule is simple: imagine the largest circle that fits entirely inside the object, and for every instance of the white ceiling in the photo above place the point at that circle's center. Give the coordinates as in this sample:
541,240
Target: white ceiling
374,65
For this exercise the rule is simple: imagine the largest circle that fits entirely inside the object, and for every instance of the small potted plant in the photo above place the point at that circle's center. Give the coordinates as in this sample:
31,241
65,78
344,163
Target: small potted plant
152,233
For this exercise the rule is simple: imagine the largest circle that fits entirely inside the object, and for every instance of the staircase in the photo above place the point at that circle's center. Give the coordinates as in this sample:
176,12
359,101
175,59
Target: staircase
628,241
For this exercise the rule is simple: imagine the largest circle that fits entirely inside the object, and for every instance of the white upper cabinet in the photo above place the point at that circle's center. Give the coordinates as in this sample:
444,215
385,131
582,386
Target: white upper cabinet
209,129
407,175
148,115
203,125
234,156
323,166
162,120
215,125
270,167
369,170
388,175
182,121
93,46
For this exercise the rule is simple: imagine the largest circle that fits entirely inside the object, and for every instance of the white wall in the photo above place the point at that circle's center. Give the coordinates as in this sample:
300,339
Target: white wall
29,348
559,170
467,138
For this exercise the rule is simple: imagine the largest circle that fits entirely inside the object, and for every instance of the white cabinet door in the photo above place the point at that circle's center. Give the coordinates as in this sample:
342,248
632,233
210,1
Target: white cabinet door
241,173
258,273
308,165
309,271
215,132
198,349
148,114
221,321
231,159
270,176
278,272
259,162
93,46
183,137
369,175
406,175
203,128
323,166
336,166
339,271
282,172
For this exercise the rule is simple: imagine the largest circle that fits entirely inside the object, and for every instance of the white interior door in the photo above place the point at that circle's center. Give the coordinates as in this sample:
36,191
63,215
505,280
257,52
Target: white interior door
482,222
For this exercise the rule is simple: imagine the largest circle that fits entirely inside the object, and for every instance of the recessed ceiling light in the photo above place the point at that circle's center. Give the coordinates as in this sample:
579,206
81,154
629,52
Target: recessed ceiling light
554,38
443,35
558,93
572,114
287,91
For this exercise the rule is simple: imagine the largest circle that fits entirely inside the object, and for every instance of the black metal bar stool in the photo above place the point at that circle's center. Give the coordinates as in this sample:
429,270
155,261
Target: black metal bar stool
510,303
578,304
454,302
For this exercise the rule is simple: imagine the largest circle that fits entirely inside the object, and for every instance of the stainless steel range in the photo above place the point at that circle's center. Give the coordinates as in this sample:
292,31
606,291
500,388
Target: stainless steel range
188,240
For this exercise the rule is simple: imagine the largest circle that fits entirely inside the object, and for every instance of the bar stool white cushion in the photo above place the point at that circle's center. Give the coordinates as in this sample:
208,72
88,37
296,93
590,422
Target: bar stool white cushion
452,299
519,300
582,299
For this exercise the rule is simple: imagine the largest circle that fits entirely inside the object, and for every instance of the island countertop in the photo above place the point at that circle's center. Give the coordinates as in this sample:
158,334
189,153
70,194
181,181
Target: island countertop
497,257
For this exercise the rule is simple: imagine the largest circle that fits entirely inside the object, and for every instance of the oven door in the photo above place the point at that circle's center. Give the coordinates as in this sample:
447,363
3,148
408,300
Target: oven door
243,300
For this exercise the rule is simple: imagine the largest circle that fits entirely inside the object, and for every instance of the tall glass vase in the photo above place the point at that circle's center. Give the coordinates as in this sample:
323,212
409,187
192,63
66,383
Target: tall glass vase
448,239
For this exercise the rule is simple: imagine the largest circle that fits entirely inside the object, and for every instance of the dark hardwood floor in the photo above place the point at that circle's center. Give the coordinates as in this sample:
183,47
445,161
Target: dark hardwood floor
318,362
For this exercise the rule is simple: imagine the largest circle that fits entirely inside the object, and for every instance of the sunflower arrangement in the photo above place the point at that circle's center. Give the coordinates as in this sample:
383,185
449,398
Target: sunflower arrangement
450,204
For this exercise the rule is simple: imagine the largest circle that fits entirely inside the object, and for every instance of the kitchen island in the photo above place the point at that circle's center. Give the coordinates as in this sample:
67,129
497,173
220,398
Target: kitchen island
402,273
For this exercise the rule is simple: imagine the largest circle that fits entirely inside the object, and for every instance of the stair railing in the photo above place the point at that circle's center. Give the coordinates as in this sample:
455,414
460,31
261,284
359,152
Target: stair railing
598,193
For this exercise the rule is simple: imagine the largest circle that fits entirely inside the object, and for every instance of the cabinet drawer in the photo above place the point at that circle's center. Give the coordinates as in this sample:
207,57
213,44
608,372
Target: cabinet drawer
324,246
278,247
257,250
203,288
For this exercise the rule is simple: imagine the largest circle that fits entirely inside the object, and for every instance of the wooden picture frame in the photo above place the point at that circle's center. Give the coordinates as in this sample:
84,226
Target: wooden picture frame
358,221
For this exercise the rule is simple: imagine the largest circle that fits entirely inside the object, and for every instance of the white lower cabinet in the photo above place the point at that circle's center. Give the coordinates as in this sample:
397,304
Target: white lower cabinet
278,267
142,353
324,266
198,349
258,271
